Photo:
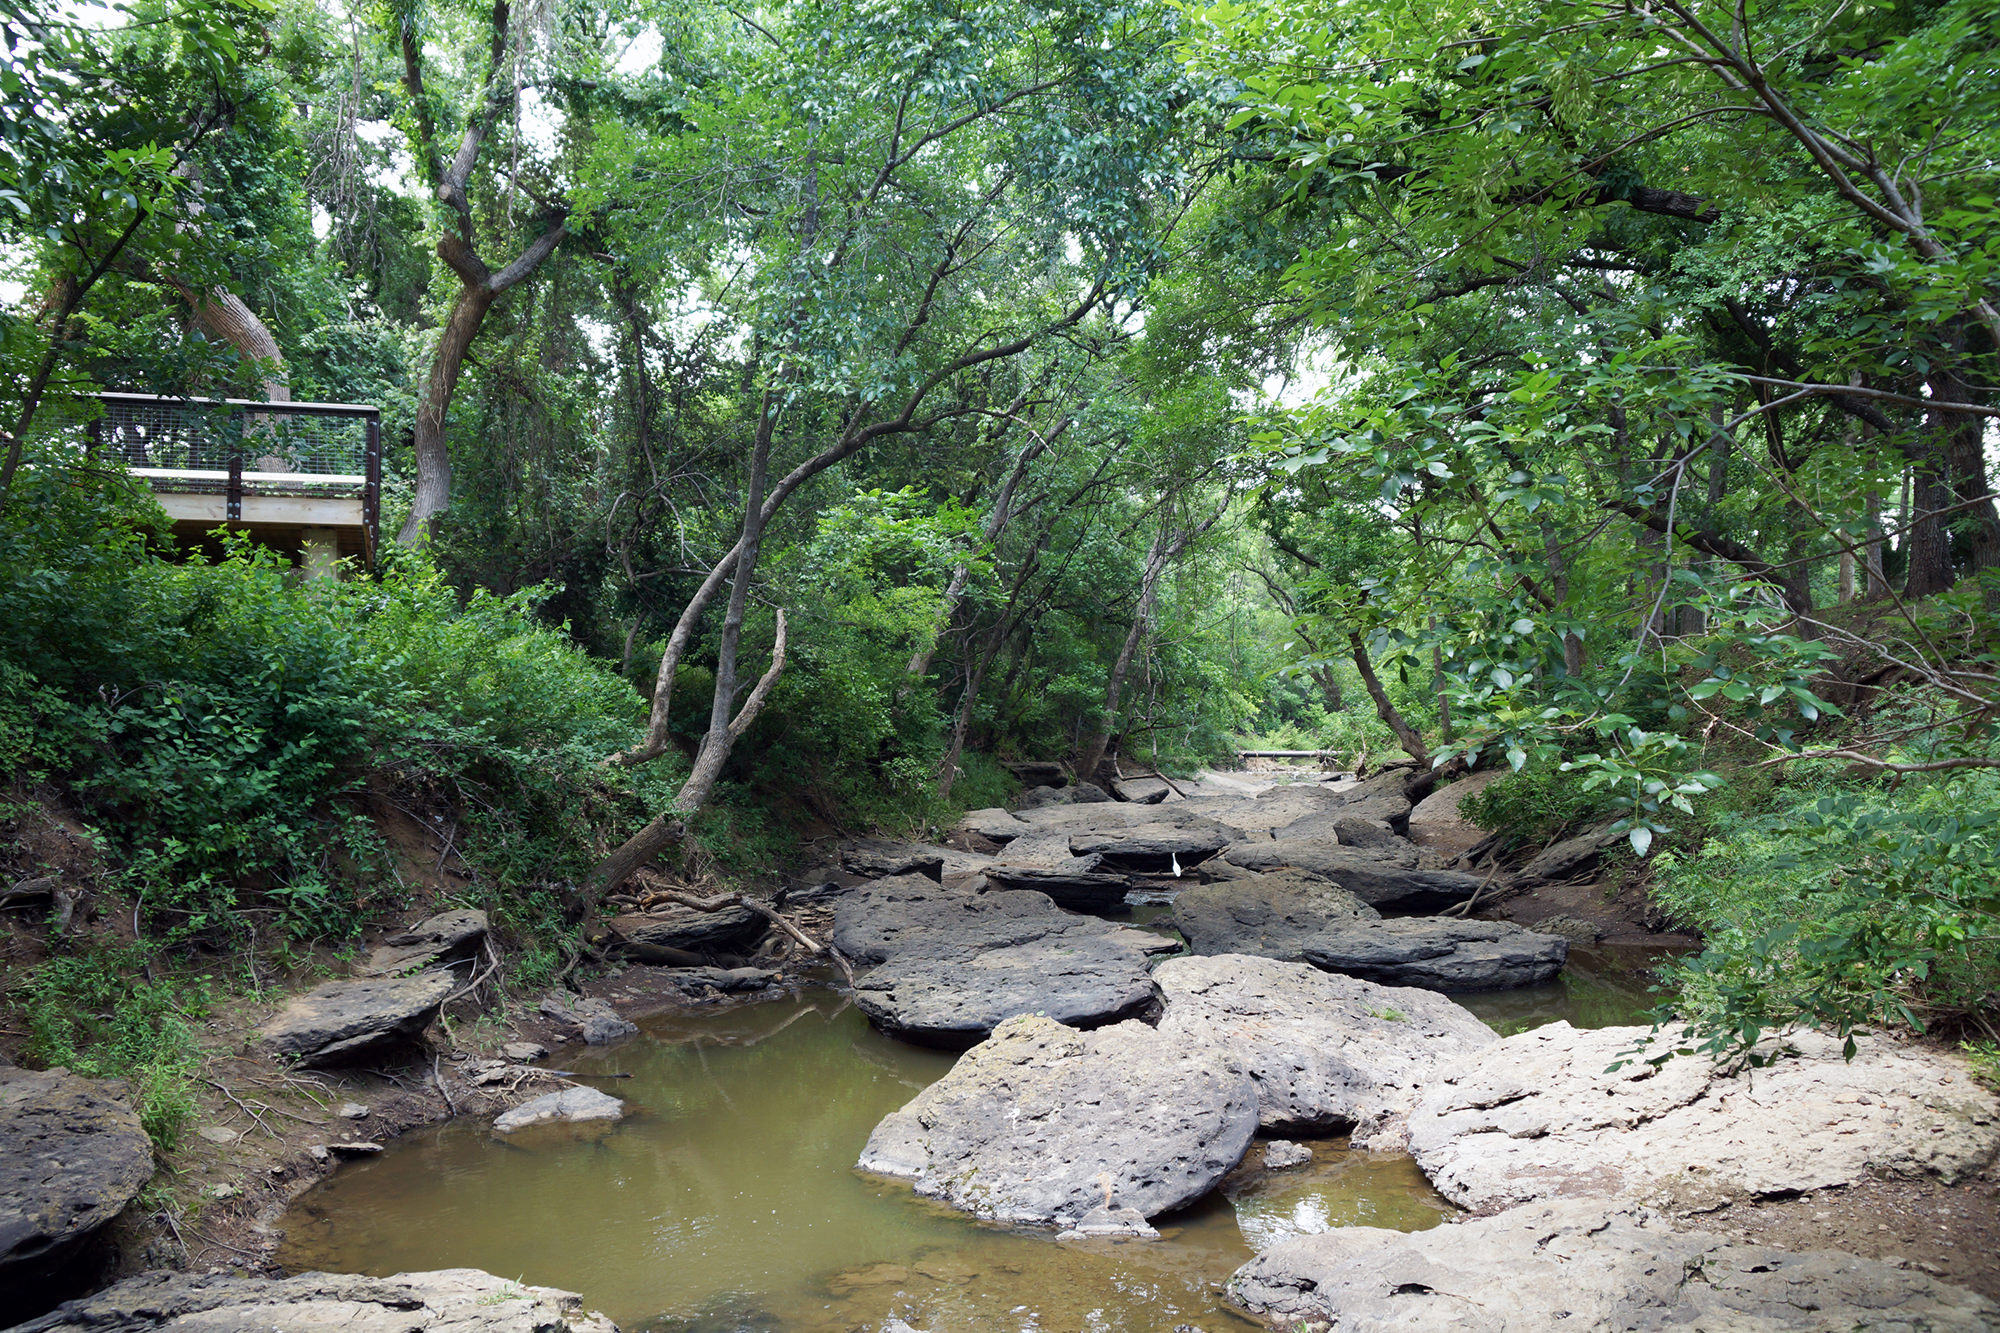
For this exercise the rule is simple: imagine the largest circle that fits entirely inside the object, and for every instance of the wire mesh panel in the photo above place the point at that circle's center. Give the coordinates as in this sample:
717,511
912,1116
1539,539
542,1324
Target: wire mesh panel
197,435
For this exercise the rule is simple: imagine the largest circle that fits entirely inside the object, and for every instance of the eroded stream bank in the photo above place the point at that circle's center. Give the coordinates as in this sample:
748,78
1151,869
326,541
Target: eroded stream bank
729,1202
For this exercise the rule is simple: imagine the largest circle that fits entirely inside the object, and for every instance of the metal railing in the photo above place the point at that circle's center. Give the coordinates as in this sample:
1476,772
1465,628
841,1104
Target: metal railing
235,446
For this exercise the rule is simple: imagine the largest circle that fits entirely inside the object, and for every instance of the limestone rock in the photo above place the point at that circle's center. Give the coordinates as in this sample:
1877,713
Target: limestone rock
1439,822
691,930
1570,856
450,1300
1271,914
1080,886
1151,848
1392,878
1439,953
1101,1222
1536,1116
583,1016
1325,1051
565,1107
877,857
524,1052
1283,1155
949,966
1575,929
1586,1264
1143,791
993,824
1042,1124
72,1154
444,938
343,1019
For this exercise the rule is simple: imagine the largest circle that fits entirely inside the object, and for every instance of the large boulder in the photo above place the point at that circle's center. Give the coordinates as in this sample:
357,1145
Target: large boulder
1121,817
1438,821
1571,856
992,824
949,966
1538,1116
1439,953
1382,799
1395,879
342,1020
448,937
1155,849
1327,1052
72,1154
1041,1124
1272,914
1077,885
457,1300
1587,1264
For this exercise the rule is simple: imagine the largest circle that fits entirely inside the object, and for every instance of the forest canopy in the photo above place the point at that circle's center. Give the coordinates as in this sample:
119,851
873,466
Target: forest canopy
839,397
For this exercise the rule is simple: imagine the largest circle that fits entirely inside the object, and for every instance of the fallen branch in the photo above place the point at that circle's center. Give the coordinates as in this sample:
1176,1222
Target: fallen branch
1885,765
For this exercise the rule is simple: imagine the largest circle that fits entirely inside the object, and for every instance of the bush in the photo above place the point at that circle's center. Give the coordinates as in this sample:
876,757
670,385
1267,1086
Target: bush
1844,907
1537,806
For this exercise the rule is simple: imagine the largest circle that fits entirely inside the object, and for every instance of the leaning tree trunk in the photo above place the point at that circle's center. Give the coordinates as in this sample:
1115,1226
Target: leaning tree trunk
1093,749
1407,736
433,490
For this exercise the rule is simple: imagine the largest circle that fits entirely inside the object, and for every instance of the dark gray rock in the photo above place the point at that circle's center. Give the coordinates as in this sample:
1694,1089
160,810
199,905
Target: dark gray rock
1382,799
72,1155
1080,889
1142,791
949,966
1035,797
992,824
1327,1052
1152,849
1088,793
584,1016
688,930
453,1300
344,1019
1439,953
569,1106
1587,1264
1037,774
1271,914
448,937
879,857
1571,856
729,980
1043,1124
1393,879
1354,830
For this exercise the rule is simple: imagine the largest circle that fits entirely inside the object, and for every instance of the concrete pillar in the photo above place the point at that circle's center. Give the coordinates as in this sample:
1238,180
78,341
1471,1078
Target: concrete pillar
319,552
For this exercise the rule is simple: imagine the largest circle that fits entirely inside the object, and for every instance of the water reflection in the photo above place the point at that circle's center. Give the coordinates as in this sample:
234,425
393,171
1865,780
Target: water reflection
1600,987
728,1201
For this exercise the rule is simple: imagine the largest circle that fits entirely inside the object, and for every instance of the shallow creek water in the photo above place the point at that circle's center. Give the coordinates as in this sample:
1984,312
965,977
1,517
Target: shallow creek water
728,1200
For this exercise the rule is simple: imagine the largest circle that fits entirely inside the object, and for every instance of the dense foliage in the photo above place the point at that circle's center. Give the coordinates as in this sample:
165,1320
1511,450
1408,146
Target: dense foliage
790,412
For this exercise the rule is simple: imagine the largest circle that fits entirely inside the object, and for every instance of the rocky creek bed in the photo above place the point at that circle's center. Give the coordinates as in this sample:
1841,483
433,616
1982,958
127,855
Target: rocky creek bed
1204,1025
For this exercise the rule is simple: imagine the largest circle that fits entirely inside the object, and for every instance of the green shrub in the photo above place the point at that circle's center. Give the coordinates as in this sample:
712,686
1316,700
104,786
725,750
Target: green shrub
1537,806
1844,907
98,1014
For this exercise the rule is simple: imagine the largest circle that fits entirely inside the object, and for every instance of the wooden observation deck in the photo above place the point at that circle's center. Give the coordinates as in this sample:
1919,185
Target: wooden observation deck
301,478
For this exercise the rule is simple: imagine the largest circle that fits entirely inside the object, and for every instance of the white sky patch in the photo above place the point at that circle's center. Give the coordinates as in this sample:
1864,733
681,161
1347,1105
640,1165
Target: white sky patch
641,53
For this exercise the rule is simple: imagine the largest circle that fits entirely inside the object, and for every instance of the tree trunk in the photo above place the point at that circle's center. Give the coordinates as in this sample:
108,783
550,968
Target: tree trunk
433,459
1156,564
221,314
1407,736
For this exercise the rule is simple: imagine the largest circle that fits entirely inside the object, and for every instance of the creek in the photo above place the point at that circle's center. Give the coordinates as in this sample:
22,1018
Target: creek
727,1202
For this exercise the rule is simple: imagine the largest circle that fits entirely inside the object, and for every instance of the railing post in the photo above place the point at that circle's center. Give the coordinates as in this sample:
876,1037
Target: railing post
371,491
233,511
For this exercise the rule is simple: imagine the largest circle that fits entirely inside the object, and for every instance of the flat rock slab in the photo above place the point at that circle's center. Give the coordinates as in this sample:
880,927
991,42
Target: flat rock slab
570,1106
1587,1265
460,1300
1536,1116
1040,1123
690,930
949,966
1151,848
1438,953
1389,878
1081,888
445,938
345,1019
1271,915
72,1155
1326,1052
1571,856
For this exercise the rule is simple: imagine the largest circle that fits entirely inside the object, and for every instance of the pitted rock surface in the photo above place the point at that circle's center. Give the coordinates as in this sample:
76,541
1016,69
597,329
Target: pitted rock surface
1271,914
1587,1265
449,1300
691,930
1394,878
1152,848
1325,1051
1034,1124
345,1019
1439,953
949,966
569,1106
72,1154
587,1017
1536,1116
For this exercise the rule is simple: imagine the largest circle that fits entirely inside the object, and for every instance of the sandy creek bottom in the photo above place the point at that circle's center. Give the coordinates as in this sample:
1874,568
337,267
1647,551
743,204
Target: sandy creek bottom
727,1201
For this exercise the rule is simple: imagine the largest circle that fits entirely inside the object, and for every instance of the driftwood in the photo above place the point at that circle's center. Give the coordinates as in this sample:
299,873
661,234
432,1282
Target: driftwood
726,900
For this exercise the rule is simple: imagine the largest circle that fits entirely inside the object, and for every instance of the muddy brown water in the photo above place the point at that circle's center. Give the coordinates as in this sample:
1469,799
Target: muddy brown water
728,1202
